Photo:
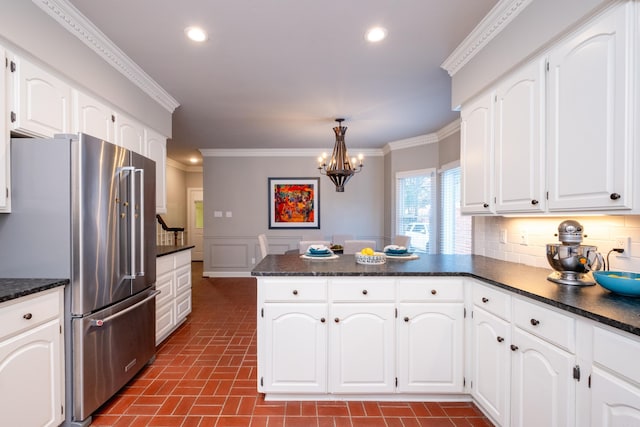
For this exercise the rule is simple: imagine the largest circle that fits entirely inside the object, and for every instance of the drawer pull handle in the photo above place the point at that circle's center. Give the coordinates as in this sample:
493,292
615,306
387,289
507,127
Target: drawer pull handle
322,320
485,205
614,196
336,320
433,292
500,339
514,347
534,202
406,319
28,316
364,292
485,300
295,292
535,322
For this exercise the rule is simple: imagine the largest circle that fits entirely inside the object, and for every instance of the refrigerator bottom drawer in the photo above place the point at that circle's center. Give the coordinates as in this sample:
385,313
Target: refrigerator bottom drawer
110,347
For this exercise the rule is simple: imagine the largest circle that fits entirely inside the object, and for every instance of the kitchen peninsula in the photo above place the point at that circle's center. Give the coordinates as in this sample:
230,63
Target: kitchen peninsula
452,327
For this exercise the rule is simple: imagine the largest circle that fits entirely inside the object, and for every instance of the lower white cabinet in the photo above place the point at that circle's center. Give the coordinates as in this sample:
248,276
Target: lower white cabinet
173,304
32,360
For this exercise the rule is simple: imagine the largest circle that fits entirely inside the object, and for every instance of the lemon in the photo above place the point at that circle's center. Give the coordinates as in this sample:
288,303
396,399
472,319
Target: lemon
367,251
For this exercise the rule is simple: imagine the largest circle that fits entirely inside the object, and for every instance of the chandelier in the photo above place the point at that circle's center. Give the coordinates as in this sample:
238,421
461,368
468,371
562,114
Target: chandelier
340,168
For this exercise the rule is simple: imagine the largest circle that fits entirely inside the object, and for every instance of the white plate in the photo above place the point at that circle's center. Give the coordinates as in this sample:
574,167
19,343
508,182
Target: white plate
412,256
319,258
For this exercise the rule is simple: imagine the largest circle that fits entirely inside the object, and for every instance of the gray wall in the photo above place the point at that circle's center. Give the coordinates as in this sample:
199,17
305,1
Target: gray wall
29,31
179,179
530,32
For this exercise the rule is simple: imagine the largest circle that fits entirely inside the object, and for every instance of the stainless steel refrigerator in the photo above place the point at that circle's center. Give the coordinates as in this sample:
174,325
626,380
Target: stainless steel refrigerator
84,209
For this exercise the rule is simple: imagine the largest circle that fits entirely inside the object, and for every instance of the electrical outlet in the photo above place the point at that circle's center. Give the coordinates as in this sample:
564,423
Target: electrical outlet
503,236
623,242
253,260
524,237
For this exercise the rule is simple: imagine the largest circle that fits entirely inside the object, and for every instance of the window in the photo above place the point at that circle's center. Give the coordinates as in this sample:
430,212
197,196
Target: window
415,198
455,229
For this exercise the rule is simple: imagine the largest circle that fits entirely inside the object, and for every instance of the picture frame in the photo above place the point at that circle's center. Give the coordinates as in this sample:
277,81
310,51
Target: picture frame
294,203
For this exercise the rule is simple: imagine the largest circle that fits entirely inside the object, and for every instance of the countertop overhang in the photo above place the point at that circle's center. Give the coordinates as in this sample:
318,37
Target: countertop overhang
592,302
16,288
162,250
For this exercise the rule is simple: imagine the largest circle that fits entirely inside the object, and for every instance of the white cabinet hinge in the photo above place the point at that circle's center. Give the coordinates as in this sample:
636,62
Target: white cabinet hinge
576,372
262,312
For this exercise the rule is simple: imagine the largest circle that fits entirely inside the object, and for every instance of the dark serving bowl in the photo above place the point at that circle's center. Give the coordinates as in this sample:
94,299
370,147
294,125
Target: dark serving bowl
619,282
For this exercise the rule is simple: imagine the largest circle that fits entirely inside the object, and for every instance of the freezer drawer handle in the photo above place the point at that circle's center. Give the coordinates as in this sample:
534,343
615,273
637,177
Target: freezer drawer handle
101,322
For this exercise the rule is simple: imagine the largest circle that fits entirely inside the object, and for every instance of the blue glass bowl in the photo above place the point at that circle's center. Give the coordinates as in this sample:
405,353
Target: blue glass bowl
619,282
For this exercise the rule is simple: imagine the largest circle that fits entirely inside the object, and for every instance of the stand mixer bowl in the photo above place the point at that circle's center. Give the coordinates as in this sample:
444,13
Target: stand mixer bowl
571,260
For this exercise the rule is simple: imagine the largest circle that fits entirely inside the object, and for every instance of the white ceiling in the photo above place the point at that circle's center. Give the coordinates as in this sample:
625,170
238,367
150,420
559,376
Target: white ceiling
276,73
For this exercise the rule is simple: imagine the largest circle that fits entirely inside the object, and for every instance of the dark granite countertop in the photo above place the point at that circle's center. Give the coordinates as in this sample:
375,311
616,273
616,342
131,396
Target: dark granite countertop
162,250
593,302
16,288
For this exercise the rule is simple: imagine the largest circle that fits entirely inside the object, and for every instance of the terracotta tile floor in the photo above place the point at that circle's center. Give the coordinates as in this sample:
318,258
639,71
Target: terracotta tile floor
205,375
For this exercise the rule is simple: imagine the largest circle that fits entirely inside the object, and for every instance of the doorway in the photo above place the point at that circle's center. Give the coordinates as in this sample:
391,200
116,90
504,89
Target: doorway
195,222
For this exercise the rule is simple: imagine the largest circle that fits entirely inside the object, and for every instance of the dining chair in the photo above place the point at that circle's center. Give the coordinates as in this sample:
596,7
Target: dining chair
304,244
402,240
353,246
264,245
339,239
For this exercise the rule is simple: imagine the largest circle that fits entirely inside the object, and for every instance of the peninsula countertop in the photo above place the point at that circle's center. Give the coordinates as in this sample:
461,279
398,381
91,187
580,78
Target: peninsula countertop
593,302
16,288
162,250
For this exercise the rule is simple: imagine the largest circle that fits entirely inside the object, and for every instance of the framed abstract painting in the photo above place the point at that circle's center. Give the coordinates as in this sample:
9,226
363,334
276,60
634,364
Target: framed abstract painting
294,202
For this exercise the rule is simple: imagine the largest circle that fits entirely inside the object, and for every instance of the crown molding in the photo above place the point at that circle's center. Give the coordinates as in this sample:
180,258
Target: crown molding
415,141
448,130
278,152
181,166
491,25
77,24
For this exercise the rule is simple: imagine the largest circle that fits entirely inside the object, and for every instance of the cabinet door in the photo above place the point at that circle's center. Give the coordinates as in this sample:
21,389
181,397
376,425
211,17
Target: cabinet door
93,117
476,156
614,402
5,156
542,384
590,146
156,150
430,348
31,374
491,361
41,103
129,134
362,348
519,143
295,359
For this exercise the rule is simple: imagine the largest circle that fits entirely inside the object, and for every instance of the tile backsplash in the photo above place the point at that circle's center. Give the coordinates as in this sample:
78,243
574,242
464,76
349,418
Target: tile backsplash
526,238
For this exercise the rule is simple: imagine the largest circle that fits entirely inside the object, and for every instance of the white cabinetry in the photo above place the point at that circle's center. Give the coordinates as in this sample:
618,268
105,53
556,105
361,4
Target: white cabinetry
129,134
476,156
362,356
40,102
430,335
156,149
5,146
590,116
92,117
173,304
31,360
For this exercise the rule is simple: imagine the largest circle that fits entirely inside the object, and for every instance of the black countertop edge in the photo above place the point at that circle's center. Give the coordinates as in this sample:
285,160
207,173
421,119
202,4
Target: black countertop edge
16,288
163,250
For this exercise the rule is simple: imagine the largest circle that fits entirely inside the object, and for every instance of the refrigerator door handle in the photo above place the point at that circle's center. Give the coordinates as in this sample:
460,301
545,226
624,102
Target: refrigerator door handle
101,322
132,220
141,243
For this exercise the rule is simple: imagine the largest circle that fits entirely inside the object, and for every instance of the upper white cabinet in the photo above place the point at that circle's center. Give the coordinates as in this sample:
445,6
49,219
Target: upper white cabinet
155,146
5,146
590,117
40,102
476,151
519,142
129,134
92,117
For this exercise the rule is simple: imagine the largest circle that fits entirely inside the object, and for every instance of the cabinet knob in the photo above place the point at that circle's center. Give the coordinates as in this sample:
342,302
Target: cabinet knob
485,300
535,322
614,196
28,316
336,320
364,292
534,202
406,319
322,320
486,205
295,292
514,347
500,339
433,292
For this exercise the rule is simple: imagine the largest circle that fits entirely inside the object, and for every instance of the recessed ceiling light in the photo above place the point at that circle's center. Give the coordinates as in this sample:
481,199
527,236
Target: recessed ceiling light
376,34
193,160
196,34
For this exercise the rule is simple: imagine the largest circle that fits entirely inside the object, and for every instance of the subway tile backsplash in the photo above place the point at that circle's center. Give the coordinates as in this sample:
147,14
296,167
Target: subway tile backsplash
527,238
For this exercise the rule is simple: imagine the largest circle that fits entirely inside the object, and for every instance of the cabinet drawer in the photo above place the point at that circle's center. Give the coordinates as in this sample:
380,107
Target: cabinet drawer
183,258
430,289
23,313
183,306
294,290
164,264
492,300
183,279
164,284
165,321
557,328
361,290
616,353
